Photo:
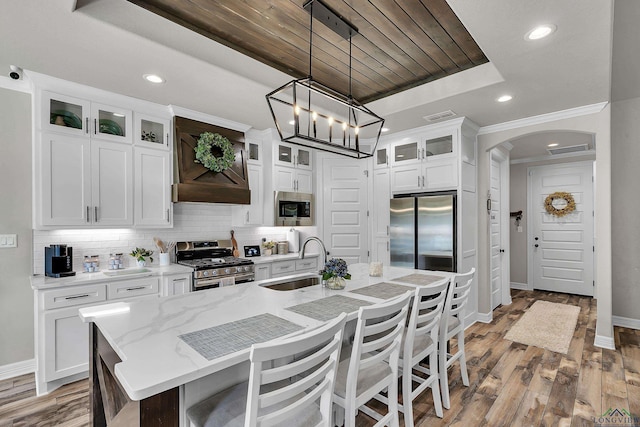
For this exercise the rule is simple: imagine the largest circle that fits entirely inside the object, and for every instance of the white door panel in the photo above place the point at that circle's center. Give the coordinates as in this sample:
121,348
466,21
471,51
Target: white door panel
496,233
345,209
562,261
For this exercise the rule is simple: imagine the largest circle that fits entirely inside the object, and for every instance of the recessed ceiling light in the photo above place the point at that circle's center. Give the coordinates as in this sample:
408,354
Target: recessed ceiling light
153,78
384,130
553,144
540,32
505,98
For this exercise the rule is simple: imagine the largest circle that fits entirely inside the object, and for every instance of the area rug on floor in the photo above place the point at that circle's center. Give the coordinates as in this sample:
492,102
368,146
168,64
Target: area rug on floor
546,324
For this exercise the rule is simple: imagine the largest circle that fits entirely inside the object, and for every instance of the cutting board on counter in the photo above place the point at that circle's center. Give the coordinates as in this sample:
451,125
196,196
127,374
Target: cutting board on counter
234,244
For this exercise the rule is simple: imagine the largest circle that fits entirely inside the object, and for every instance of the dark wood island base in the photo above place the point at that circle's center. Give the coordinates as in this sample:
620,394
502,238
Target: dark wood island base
110,404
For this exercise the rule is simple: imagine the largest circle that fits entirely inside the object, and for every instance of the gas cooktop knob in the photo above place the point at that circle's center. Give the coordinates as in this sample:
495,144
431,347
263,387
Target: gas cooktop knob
214,272
227,271
205,273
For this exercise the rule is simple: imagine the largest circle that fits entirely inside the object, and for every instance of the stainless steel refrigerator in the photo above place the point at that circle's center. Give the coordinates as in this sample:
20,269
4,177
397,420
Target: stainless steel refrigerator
423,231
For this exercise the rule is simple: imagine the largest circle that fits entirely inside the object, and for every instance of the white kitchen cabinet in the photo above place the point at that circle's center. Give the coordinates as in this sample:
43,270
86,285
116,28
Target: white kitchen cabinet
133,288
152,188
307,265
430,165
262,271
290,155
283,268
288,179
111,123
65,181
111,184
64,114
83,182
62,339
252,214
381,158
66,343
381,217
96,162
152,132
178,284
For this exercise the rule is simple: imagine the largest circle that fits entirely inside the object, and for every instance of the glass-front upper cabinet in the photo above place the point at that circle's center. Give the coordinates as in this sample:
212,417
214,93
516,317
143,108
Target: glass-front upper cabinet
438,146
111,123
152,132
61,113
381,158
405,152
293,156
253,151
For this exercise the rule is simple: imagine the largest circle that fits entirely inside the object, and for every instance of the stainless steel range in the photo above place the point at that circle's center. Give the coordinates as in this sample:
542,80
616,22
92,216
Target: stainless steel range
214,264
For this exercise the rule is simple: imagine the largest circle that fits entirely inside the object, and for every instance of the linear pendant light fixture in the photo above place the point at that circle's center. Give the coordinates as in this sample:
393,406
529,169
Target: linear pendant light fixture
313,115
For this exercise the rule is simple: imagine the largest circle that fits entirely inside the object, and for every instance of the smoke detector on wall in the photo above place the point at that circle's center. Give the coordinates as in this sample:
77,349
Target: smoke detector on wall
572,149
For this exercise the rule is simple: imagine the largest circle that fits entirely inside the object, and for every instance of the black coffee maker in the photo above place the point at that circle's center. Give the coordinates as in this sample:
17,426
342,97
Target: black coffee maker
58,261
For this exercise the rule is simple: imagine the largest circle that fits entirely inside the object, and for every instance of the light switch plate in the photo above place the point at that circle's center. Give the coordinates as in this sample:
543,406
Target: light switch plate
8,240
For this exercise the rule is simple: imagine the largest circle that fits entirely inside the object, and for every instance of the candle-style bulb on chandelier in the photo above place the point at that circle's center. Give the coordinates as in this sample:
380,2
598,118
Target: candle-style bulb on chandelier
313,115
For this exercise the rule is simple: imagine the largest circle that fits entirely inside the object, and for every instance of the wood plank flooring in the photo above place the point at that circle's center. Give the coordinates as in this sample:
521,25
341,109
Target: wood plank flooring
511,384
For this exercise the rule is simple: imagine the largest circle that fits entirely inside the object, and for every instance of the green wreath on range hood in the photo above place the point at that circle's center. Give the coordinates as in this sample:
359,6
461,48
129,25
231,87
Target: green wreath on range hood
204,155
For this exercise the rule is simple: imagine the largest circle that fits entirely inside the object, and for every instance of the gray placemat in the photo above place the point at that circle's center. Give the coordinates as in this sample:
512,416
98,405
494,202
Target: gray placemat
233,336
383,290
419,279
328,308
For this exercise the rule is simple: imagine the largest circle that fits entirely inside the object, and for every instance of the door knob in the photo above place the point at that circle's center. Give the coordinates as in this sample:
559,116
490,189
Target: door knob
535,238
501,250
536,245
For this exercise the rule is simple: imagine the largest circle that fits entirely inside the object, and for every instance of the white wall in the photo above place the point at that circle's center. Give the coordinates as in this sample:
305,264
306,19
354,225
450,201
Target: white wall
625,200
16,298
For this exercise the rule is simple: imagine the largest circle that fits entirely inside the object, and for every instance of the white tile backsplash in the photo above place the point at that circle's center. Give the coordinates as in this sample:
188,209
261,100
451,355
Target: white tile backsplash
191,221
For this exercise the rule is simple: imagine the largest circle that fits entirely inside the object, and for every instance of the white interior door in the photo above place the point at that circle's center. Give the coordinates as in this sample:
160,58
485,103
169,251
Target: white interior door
345,208
496,232
561,248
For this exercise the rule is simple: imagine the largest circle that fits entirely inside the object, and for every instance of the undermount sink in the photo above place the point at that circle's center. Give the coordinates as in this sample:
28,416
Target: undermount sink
293,283
126,272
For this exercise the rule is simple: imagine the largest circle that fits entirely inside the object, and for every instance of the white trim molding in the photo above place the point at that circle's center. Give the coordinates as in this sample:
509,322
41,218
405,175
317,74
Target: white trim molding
544,118
521,286
484,317
604,342
18,85
206,118
16,369
626,322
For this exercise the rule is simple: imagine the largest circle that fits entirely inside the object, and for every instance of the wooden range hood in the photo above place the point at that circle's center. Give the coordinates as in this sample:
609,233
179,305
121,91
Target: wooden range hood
194,182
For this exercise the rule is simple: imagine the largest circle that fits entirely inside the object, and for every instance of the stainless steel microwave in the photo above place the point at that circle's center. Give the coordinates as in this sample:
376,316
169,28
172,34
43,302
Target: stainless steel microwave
293,208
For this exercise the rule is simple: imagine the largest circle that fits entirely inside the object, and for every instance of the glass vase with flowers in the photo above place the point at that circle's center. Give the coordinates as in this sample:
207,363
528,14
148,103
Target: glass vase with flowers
335,273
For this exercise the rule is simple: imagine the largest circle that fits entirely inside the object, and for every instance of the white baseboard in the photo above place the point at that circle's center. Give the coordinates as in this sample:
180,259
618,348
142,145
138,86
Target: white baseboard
16,369
521,286
604,342
485,317
626,322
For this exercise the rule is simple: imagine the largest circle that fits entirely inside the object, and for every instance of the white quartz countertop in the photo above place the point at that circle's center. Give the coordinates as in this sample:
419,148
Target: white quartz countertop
41,282
146,335
285,257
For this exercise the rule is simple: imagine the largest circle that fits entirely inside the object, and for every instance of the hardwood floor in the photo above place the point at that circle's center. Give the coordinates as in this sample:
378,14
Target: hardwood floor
511,384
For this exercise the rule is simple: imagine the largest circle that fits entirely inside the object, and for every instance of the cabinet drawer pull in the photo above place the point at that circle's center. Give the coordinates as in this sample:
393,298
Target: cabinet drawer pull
86,125
78,296
95,213
136,288
95,126
168,215
88,214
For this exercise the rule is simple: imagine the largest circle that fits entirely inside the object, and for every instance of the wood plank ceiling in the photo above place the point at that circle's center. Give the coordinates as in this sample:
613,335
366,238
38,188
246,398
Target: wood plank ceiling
401,43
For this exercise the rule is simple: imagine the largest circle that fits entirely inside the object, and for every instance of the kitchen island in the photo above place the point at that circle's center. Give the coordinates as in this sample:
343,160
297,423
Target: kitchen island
147,374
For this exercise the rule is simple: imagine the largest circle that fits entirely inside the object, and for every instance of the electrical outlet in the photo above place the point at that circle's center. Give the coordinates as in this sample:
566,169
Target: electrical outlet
8,240
519,229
